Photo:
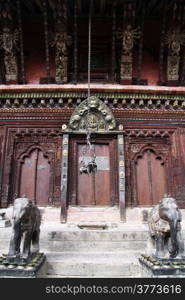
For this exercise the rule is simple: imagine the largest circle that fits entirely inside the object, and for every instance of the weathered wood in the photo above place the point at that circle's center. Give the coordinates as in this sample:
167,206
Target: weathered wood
121,171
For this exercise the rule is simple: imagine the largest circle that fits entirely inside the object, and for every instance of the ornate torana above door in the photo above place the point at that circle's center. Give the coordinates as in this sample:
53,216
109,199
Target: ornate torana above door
93,115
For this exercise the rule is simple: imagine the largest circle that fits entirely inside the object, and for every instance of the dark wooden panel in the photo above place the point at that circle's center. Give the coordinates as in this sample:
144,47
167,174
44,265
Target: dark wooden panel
159,187
151,179
34,181
102,177
42,180
143,185
93,189
27,182
85,194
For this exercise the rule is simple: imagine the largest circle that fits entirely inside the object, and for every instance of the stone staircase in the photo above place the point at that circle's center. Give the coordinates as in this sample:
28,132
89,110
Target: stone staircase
74,252
91,251
84,253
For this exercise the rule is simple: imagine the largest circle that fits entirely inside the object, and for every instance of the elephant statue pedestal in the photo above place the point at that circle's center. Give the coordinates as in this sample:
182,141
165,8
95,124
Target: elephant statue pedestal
25,262
152,267
166,257
35,267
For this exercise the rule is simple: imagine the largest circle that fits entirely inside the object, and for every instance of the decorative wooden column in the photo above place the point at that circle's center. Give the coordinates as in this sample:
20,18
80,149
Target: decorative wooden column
121,161
64,178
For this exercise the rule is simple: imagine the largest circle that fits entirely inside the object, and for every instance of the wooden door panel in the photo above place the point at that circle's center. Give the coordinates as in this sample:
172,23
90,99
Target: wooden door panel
102,177
94,189
158,180
85,193
150,178
143,186
34,178
27,180
42,182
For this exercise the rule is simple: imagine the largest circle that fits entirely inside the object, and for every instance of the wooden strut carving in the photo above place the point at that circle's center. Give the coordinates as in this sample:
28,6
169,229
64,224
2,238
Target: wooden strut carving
9,38
61,42
175,38
128,36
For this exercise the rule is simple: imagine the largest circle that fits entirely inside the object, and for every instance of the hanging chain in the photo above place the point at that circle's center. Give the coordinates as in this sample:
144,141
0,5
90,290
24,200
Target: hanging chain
91,166
89,78
89,51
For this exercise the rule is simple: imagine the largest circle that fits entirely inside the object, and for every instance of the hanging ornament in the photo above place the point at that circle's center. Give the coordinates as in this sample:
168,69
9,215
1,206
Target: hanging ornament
91,166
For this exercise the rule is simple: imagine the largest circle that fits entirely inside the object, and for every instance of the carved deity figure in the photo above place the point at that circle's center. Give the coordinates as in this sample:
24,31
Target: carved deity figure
128,37
61,42
175,38
92,114
8,43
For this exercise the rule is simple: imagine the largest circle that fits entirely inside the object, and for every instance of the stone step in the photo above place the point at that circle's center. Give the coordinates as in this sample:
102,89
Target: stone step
71,246
104,264
62,238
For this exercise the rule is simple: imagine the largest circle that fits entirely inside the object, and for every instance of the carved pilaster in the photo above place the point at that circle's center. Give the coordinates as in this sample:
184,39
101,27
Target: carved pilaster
121,161
64,176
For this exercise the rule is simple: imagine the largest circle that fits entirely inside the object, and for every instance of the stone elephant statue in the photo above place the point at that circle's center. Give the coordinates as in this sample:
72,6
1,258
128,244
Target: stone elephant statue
165,229
26,226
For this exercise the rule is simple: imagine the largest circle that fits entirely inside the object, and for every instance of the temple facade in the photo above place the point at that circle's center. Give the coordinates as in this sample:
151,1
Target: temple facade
135,111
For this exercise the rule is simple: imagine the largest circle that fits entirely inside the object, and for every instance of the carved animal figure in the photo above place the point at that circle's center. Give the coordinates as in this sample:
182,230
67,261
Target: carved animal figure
165,229
26,222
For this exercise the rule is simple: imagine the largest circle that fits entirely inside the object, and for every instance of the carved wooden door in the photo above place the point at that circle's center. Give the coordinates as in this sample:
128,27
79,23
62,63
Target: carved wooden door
99,189
150,179
94,189
34,178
